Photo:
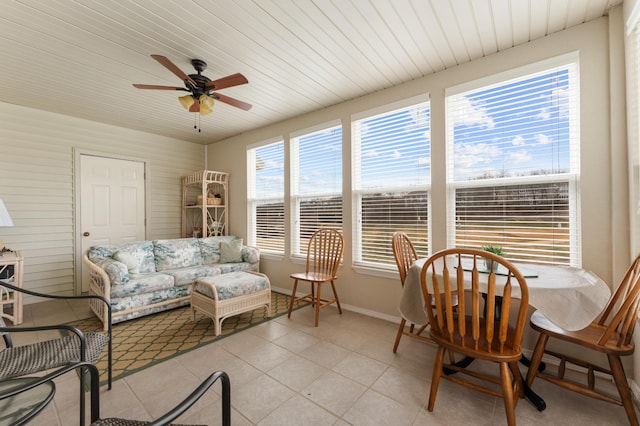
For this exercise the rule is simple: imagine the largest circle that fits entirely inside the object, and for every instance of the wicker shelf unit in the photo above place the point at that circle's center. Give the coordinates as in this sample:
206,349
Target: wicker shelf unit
204,215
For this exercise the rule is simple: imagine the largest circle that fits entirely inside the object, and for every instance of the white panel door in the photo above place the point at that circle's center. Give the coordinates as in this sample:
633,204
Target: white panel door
112,199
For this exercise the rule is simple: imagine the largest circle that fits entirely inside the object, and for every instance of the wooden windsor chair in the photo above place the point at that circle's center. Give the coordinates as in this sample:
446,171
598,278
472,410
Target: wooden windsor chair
611,335
469,329
324,255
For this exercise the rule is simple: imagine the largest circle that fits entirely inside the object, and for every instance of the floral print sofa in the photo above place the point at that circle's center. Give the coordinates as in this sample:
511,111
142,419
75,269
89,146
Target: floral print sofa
143,277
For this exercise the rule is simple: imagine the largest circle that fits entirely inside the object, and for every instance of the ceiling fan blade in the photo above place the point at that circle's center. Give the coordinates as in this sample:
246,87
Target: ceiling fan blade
150,86
173,68
228,81
195,107
232,101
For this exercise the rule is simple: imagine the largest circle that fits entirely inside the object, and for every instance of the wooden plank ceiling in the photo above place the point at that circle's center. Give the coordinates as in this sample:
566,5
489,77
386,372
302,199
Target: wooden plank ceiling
80,57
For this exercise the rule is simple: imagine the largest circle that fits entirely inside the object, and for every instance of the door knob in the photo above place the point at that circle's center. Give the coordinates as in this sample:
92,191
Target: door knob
86,234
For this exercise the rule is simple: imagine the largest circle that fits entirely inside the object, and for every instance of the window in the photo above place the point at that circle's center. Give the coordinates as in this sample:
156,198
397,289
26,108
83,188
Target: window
265,166
513,164
391,178
316,179
632,56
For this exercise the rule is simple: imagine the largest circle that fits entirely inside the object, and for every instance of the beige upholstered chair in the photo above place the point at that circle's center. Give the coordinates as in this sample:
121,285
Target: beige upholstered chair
611,335
324,255
466,328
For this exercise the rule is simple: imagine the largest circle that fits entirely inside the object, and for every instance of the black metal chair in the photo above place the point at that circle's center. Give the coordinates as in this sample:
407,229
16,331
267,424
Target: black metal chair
38,381
37,357
177,410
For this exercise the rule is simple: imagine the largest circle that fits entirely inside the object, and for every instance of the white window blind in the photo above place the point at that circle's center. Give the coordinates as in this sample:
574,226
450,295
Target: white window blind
632,56
266,197
513,166
316,179
391,178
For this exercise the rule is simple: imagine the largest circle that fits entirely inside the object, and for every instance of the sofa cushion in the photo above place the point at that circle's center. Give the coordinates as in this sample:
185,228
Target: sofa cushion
250,254
225,268
138,302
185,276
142,251
178,253
129,260
233,285
231,251
210,248
116,271
141,284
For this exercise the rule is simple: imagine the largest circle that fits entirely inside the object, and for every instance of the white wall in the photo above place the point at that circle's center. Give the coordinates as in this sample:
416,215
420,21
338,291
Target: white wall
37,186
604,246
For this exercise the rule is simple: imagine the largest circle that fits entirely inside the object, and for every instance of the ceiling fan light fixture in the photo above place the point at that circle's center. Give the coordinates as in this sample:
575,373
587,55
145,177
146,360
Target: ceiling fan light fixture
186,101
206,105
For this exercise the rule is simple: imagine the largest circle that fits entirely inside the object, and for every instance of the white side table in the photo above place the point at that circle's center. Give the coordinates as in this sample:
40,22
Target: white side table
8,261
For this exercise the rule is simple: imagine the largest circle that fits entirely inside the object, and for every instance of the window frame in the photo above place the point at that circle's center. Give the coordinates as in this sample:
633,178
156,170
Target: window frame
572,177
253,200
298,250
357,192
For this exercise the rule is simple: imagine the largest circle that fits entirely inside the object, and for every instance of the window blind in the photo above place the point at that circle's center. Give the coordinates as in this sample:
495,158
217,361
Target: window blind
316,178
632,55
513,166
391,177
266,197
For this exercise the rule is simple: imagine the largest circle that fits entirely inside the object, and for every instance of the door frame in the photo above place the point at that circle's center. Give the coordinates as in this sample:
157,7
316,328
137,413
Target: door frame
77,240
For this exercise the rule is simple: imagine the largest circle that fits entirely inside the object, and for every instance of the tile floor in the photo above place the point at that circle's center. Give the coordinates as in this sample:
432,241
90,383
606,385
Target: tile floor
287,372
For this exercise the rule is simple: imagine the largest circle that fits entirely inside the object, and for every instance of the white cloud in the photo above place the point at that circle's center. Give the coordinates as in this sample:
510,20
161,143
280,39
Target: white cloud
468,155
424,161
372,153
543,139
517,141
519,156
468,113
396,154
543,114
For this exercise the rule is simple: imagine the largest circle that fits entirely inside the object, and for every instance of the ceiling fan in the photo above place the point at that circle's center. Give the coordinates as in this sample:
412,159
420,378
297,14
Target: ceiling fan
201,87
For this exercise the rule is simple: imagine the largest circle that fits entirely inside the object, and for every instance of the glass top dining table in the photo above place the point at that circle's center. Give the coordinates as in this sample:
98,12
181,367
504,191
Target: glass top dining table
569,297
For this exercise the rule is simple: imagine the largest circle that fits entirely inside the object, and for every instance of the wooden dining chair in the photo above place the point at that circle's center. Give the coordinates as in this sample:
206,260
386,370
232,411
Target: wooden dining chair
611,335
324,255
471,329
405,254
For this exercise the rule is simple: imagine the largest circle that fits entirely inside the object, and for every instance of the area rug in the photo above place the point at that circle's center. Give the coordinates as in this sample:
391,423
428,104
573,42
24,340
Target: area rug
145,341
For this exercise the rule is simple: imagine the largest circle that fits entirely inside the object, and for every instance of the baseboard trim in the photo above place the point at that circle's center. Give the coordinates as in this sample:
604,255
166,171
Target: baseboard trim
356,309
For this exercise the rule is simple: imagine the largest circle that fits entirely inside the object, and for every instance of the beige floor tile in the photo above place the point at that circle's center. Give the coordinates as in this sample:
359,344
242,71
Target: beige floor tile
270,330
296,341
266,356
298,411
297,372
334,392
326,354
259,397
403,387
360,368
373,408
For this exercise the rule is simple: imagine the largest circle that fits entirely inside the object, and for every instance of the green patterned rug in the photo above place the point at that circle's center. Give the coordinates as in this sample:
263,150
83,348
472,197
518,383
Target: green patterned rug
145,341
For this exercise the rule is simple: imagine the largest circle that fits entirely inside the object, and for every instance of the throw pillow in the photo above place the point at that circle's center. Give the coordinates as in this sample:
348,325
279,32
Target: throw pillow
231,251
130,261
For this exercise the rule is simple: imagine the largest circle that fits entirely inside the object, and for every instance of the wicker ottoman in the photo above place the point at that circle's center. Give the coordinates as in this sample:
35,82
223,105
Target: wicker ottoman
221,296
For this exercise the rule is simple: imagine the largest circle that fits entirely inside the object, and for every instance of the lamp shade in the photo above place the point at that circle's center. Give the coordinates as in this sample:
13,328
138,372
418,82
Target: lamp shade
206,105
5,219
186,101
